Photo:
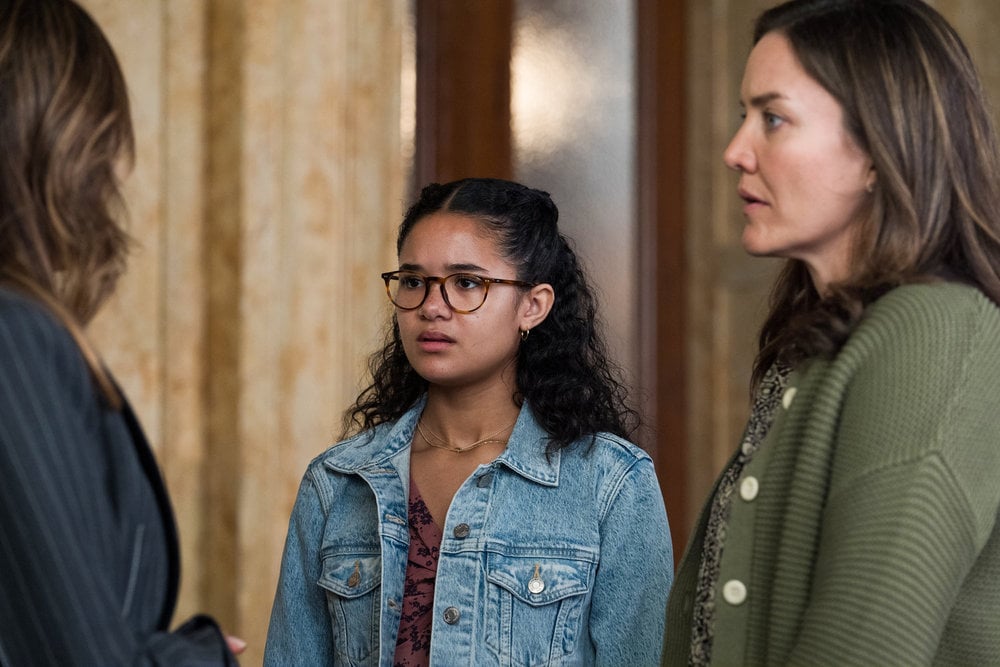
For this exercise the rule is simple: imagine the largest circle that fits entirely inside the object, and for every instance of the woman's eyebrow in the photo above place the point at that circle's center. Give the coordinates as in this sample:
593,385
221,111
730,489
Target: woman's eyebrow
451,268
758,101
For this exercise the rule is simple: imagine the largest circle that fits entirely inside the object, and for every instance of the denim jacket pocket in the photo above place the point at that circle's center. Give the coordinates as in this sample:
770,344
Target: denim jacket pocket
352,582
535,601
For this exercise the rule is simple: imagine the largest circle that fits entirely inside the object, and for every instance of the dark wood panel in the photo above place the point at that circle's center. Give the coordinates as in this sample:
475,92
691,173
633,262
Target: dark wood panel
662,109
463,90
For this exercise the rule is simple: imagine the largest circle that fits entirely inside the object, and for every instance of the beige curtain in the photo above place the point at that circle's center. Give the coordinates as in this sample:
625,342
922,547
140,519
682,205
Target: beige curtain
264,201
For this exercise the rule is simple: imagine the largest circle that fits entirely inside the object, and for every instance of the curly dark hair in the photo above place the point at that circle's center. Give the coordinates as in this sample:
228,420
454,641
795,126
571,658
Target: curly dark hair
563,369
912,100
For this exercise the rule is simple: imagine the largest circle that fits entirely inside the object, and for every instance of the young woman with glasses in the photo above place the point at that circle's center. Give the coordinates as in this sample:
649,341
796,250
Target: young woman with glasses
489,508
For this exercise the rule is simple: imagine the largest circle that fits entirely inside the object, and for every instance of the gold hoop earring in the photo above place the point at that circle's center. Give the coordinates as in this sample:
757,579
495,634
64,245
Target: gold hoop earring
524,334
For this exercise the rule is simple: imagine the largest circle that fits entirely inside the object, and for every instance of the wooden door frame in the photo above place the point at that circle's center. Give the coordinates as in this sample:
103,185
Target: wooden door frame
463,90
662,267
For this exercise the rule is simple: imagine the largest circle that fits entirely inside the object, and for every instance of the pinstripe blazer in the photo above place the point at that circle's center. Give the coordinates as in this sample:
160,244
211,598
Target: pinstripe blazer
89,564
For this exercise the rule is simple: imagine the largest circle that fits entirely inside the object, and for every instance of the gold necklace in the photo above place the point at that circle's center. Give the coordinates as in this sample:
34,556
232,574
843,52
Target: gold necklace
434,440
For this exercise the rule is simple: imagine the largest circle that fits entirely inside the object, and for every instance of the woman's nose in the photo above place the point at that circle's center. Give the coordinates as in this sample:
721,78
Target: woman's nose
738,155
435,305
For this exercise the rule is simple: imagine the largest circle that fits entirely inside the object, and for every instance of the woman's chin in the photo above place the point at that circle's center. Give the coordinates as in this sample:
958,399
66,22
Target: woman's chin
754,245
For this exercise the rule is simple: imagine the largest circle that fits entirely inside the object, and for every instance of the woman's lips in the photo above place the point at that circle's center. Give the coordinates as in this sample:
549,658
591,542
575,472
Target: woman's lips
433,341
750,201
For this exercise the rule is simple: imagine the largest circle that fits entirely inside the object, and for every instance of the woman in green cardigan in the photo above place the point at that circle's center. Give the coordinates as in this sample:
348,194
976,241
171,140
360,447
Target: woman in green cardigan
857,521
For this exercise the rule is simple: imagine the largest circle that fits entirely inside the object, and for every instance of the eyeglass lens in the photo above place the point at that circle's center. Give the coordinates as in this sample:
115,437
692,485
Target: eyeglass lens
462,291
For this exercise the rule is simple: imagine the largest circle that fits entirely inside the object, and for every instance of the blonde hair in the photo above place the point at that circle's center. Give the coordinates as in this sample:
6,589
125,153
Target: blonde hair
65,128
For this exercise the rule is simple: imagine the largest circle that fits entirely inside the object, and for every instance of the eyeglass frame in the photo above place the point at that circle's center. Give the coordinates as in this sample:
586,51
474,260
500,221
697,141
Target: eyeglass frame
440,280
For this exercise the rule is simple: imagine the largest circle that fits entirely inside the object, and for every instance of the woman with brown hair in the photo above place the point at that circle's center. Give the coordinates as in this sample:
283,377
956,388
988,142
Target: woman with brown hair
857,523
88,548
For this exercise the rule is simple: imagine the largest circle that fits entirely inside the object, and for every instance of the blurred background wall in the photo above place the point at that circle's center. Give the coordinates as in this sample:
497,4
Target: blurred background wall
278,142
267,188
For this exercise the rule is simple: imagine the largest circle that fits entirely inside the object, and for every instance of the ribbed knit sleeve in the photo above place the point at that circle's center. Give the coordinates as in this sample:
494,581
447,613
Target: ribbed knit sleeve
914,488
866,532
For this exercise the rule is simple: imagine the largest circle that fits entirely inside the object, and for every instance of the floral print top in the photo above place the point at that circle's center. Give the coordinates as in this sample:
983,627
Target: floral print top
761,415
413,645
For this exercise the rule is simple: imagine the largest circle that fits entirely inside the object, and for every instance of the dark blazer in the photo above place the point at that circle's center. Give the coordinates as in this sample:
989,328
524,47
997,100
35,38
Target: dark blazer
89,564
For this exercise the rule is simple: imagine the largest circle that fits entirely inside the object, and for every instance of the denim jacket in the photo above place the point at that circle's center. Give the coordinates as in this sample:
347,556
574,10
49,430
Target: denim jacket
558,560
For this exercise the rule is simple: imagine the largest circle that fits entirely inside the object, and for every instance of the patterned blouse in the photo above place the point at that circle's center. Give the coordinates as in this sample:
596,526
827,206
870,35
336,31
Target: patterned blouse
761,415
413,645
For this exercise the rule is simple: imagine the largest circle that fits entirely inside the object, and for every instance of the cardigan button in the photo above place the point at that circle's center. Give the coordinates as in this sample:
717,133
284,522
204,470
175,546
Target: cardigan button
788,397
451,615
749,488
734,592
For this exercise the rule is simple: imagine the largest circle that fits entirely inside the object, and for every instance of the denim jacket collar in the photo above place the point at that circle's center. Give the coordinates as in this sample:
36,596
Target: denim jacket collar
525,453
371,449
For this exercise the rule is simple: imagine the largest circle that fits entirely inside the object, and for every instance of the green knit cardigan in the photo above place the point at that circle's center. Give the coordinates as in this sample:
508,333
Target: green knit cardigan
869,533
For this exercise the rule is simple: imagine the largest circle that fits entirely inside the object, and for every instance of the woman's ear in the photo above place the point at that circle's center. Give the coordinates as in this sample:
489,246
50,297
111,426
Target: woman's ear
535,306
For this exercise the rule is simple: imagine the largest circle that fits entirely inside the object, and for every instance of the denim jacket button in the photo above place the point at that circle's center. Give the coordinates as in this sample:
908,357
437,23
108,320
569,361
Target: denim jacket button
461,531
451,615
484,480
355,578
